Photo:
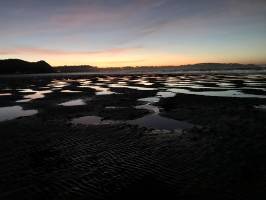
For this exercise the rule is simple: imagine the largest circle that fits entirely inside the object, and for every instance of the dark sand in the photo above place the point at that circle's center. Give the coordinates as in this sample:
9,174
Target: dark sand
44,156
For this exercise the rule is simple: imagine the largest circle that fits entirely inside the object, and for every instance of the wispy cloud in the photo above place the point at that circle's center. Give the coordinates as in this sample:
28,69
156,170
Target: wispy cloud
122,62
56,52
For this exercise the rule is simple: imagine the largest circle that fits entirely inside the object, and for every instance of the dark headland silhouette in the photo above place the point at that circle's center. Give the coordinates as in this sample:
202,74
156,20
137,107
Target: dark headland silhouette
16,66
190,67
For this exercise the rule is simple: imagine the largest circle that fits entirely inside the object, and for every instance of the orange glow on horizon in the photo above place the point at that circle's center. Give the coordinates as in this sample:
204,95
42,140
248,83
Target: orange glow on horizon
120,57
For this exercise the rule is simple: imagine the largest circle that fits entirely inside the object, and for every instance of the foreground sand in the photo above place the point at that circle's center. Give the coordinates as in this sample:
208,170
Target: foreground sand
223,156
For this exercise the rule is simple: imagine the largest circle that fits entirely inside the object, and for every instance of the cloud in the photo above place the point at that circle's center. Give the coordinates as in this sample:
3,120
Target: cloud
126,14
56,52
123,62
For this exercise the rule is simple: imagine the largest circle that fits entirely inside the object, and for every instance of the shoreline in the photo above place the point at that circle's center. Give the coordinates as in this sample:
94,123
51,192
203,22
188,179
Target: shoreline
233,72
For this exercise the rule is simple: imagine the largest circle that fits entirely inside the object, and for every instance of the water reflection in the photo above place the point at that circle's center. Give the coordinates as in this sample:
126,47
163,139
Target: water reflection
152,121
92,120
70,91
101,90
165,86
226,93
260,107
77,102
150,99
114,107
130,87
58,84
155,120
5,94
166,94
13,112
36,94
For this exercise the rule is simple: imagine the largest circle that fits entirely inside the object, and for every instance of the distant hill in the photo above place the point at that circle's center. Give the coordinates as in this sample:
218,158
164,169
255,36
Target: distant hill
221,66
16,66
192,67
81,68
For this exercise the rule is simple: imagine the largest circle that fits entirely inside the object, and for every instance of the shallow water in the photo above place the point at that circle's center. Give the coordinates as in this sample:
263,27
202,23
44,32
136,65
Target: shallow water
159,122
58,84
5,94
71,91
220,85
151,99
260,107
77,102
130,87
114,107
226,93
92,120
229,85
154,120
36,94
101,90
13,112
166,94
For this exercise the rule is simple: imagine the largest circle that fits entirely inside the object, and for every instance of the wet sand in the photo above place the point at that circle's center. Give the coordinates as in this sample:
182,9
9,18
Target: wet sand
220,155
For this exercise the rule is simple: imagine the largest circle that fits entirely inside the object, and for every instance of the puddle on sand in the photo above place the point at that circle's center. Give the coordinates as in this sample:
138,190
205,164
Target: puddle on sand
260,107
58,84
13,112
5,94
70,91
227,93
35,95
106,92
23,100
165,94
155,121
158,122
99,90
131,87
149,107
77,102
92,120
114,107
26,90
145,82
174,85
150,99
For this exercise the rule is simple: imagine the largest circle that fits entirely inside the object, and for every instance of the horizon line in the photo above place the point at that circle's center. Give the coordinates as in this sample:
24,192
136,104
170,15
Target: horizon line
137,66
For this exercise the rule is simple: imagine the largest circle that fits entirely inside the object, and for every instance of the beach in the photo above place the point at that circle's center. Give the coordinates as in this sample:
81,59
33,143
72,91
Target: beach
183,136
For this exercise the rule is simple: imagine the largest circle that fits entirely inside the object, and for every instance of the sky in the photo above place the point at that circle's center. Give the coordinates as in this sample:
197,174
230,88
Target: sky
133,32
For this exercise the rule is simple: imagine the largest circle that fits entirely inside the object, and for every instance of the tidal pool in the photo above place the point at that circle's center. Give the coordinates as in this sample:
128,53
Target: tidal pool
226,93
13,112
5,94
36,94
131,87
77,102
155,121
92,120
70,91
260,107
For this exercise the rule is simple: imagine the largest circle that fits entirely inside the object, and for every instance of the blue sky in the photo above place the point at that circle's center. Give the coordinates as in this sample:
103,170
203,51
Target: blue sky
133,32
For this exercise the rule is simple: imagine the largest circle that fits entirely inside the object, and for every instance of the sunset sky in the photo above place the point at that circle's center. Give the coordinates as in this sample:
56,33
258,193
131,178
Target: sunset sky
133,32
